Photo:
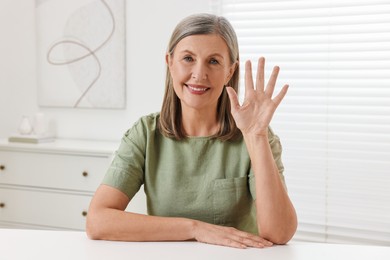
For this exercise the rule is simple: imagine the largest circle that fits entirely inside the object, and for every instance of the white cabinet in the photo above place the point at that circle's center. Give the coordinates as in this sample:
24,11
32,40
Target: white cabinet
50,185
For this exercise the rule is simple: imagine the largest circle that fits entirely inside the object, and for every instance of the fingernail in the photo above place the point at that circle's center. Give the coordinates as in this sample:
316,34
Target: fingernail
260,245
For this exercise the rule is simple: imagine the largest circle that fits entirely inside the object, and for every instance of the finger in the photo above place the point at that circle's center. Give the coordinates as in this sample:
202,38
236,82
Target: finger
235,104
255,241
251,242
260,74
264,242
233,239
233,243
278,99
272,81
248,239
248,78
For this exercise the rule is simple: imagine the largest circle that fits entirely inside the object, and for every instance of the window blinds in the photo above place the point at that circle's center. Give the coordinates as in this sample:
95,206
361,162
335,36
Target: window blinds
334,123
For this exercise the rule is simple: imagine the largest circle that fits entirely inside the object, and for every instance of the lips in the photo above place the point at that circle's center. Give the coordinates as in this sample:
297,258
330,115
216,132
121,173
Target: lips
197,89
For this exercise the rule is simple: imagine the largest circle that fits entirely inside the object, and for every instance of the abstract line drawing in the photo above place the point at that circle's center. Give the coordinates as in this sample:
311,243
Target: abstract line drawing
81,53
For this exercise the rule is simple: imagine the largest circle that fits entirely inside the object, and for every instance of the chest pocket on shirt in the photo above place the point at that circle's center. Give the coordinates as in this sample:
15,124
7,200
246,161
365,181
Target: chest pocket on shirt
232,202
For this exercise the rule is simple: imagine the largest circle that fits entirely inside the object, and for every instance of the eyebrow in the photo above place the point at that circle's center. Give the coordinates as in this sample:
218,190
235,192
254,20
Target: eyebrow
211,55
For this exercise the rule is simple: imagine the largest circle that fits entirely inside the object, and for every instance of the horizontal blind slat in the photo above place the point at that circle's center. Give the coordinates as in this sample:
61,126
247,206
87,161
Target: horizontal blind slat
335,121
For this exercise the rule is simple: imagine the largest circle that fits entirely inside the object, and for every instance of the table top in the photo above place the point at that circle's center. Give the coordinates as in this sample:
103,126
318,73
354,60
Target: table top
39,244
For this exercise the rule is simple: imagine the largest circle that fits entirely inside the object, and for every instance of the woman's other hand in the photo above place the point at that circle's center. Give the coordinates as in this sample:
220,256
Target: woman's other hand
227,236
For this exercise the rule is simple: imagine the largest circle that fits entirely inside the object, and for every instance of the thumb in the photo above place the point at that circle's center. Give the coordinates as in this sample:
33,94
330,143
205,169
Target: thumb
233,98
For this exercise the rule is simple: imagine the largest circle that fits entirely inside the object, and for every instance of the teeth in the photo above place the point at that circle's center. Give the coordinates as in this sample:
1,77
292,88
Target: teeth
197,89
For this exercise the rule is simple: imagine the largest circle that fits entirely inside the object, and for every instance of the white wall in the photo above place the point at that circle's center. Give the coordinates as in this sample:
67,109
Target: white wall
149,25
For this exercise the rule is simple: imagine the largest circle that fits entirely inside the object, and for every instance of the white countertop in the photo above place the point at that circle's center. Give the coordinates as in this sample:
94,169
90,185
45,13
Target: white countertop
37,244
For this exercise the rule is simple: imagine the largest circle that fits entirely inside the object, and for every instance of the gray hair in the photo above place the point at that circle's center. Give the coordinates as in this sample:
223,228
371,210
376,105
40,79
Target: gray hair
206,24
170,117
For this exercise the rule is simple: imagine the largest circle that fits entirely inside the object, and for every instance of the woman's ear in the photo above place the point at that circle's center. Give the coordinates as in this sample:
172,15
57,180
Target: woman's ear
232,69
168,59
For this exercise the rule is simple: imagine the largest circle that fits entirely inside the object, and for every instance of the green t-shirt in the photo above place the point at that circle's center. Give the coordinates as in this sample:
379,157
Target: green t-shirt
199,178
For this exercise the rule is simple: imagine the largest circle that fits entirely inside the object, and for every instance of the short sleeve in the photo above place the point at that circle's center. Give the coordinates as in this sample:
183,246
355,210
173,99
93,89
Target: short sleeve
276,149
126,172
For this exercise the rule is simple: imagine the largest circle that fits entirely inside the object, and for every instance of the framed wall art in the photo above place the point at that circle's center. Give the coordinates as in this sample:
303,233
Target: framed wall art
81,53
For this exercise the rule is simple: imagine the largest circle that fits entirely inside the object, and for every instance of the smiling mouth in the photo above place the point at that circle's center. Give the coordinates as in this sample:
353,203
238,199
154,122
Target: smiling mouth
196,89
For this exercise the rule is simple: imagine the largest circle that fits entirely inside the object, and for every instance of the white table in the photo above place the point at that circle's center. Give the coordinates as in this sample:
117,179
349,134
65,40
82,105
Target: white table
33,244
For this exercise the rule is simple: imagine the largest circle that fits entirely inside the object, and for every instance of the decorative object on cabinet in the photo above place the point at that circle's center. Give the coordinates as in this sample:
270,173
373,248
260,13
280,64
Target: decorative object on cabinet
50,185
31,138
81,53
39,124
25,127
32,133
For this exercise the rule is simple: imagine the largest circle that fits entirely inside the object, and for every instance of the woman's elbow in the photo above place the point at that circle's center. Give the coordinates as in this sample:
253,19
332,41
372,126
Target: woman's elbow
93,229
279,238
92,234
282,234
282,239
286,235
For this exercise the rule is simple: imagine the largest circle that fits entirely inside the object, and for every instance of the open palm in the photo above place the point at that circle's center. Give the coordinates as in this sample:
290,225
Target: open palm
255,114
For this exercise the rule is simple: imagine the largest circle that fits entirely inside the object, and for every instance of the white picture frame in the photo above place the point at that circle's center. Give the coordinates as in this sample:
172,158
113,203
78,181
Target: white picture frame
81,53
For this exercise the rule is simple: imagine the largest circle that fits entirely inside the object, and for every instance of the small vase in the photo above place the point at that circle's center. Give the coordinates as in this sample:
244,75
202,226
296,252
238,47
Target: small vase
25,127
39,127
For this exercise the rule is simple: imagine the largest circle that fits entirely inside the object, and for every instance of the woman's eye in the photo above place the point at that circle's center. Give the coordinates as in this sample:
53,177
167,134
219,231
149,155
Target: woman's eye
188,58
214,61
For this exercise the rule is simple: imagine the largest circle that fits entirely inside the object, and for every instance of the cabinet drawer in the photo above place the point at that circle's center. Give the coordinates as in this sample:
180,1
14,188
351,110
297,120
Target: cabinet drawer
48,209
52,170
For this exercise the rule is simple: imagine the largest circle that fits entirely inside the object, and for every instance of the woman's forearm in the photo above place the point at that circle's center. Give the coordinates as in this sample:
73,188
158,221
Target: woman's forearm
276,217
114,224
107,220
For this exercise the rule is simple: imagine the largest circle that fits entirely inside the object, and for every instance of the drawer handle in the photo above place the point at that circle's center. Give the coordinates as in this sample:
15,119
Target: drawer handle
2,167
84,213
2,205
85,174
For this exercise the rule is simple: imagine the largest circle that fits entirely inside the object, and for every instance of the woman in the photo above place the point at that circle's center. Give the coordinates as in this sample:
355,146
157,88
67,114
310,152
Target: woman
210,167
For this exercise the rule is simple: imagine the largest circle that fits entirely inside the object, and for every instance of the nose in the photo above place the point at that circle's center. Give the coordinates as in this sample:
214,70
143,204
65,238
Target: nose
199,72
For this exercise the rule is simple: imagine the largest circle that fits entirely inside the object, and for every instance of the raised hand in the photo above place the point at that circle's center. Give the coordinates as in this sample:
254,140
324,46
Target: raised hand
255,114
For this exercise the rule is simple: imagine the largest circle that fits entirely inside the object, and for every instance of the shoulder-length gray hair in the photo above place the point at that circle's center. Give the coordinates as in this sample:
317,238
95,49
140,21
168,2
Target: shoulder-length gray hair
170,123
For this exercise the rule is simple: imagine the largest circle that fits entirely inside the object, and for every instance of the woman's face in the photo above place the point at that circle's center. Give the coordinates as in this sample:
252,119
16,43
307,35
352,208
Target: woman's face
200,67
